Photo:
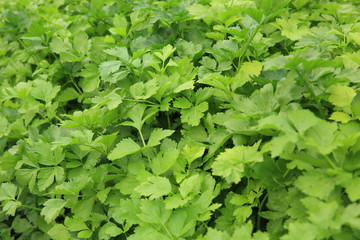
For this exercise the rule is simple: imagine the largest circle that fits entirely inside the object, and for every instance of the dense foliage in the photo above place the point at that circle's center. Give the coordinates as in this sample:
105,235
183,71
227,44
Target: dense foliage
208,119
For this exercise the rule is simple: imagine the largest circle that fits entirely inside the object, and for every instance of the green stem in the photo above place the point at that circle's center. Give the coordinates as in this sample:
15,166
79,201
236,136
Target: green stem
57,117
30,207
286,173
144,144
163,65
260,209
332,164
312,93
142,139
342,161
74,83
246,45
92,147
63,68
102,20
248,185
167,231
168,120
27,51
136,100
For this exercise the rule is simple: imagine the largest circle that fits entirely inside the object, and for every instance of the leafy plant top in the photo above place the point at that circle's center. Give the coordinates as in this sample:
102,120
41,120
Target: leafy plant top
191,119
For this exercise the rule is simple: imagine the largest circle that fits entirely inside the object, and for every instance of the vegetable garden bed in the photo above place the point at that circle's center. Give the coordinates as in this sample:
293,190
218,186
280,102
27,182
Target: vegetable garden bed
159,120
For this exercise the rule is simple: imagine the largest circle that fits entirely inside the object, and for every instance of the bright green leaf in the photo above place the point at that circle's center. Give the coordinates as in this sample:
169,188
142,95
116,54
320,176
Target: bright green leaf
81,44
155,187
125,147
157,135
52,208
231,163
8,191
44,90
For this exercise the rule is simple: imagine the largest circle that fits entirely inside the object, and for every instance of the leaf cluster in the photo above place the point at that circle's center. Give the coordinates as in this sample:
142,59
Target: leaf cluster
216,119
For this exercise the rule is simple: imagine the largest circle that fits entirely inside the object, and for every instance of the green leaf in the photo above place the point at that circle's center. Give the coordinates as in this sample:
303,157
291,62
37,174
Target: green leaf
44,91
231,163
193,115
175,201
67,95
136,115
83,208
125,147
52,208
355,36
192,152
46,176
47,156
75,224
322,137
144,91
4,123
109,230
121,53
248,70
242,232
351,188
351,215
155,187
286,91
27,177
111,100
8,191
81,44
302,120
182,103
208,63
199,11
269,173
340,117
187,49
128,209
128,184
179,223
242,213
59,232
190,184
300,3
153,211
120,24
21,225
322,214
103,194
300,231
341,96
108,67
144,232
57,45
85,234
316,184
10,207
91,78
213,234
165,159
157,135
289,28
165,52
203,94
72,187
